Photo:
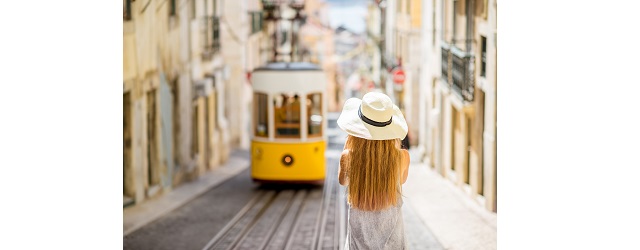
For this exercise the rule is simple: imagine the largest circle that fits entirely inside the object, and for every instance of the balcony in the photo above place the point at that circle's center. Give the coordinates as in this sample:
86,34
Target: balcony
210,36
457,71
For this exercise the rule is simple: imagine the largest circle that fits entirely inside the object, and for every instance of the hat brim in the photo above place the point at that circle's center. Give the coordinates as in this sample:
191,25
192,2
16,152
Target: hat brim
350,122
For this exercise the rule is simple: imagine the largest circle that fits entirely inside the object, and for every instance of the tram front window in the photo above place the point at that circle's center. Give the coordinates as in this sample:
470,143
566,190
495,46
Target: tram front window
287,115
314,112
260,114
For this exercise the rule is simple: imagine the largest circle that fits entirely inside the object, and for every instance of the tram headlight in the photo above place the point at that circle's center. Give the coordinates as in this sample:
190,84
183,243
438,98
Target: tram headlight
287,160
316,119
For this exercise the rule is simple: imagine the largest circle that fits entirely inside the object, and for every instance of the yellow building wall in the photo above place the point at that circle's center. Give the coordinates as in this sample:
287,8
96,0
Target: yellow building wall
129,65
416,13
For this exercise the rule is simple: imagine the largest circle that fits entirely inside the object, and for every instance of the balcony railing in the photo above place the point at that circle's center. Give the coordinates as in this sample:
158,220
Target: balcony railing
256,21
457,70
445,64
210,36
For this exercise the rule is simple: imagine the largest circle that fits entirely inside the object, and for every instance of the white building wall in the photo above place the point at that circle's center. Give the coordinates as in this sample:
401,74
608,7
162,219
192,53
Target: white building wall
490,128
234,32
390,42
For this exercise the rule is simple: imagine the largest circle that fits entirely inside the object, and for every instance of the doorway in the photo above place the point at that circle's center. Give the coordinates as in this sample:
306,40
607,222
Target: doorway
454,145
175,97
467,150
128,189
153,173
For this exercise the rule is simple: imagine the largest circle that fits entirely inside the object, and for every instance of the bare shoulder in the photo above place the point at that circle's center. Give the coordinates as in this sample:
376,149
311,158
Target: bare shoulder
344,156
405,165
343,168
345,152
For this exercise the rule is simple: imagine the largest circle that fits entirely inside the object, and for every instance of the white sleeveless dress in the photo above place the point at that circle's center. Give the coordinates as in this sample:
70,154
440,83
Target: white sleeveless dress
382,229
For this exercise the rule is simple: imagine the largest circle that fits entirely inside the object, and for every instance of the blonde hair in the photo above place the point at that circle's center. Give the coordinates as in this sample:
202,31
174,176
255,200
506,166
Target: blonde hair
373,170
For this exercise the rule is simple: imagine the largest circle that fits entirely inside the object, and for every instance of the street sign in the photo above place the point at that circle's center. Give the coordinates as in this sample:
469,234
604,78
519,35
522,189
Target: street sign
398,76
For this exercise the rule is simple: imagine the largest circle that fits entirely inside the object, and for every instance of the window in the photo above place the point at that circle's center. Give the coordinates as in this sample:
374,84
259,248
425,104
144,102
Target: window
287,115
127,9
152,139
454,138
314,113
216,33
211,29
261,121
467,149
256,21
206,152
480,178
483,56
172,7
127,147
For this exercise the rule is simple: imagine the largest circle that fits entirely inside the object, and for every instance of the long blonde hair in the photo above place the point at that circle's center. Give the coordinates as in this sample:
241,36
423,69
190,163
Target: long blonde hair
373,169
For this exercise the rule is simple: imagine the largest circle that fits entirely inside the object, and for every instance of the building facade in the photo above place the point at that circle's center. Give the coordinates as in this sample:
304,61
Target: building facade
179,87
459,89
447,50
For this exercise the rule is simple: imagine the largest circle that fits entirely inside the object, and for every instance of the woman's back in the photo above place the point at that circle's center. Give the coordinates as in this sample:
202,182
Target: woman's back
373,167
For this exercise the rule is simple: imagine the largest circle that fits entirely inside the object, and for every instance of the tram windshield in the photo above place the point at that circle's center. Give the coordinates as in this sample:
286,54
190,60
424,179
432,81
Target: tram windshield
287,115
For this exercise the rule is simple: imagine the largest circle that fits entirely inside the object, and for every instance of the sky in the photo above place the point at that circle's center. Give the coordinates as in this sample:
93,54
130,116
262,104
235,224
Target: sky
350,14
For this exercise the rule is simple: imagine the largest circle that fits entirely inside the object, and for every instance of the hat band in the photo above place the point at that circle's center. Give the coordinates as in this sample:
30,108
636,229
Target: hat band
372,122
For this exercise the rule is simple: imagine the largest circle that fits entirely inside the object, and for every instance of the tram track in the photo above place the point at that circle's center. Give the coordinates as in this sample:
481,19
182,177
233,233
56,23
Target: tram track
288,217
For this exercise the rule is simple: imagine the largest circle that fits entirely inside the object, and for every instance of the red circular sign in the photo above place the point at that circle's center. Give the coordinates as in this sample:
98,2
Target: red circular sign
398,76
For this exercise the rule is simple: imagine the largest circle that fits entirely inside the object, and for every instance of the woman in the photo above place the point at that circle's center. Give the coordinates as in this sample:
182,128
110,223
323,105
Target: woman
373,167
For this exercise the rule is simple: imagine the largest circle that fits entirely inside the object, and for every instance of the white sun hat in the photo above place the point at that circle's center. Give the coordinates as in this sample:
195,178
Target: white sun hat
375,117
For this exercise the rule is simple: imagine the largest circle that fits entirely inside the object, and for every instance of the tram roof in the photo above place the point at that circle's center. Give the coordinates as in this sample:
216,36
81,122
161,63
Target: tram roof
289,66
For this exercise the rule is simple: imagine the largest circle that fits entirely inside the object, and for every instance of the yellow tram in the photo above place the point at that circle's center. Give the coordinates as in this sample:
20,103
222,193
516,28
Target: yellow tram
288,133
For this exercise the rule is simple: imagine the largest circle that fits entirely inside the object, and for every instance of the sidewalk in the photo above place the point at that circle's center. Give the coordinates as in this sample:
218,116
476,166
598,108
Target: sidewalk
455,220
139,215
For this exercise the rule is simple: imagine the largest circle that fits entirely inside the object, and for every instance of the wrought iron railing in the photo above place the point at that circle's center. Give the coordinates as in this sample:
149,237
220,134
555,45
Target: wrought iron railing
445,63
457,70
210,35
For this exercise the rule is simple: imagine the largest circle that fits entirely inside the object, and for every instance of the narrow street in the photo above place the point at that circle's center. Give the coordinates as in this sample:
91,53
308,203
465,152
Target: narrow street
240,214
205,81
